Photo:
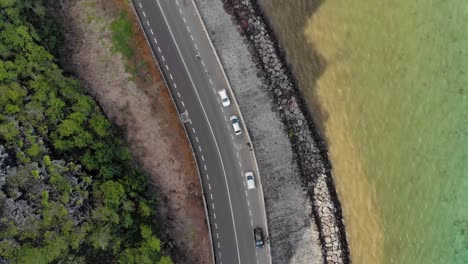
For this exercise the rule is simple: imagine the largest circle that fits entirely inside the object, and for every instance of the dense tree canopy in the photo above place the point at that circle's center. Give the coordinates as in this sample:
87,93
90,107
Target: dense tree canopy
68,190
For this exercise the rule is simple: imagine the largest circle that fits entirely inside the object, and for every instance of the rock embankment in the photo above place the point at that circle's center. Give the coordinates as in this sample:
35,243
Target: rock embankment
307,143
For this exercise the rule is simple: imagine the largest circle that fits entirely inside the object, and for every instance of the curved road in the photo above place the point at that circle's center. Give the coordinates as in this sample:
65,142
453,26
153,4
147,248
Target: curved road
176,36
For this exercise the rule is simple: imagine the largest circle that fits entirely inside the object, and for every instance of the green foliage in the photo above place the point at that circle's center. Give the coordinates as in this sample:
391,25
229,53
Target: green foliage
121,34
88,203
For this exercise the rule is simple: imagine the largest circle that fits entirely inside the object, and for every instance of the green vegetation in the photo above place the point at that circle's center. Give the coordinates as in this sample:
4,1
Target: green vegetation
68,190
121,33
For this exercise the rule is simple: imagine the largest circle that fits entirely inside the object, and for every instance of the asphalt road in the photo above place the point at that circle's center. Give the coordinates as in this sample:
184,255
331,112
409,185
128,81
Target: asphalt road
176,35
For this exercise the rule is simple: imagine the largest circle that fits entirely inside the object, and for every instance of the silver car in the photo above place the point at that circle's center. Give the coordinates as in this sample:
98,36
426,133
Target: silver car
236,125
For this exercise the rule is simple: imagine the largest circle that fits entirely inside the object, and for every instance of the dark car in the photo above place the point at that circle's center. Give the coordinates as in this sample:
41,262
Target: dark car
258,235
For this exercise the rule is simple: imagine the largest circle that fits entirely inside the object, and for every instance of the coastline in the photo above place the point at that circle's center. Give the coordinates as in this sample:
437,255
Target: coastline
305,138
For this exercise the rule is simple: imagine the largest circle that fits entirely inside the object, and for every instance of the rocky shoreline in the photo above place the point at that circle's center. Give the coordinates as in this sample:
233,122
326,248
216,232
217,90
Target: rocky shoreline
308,145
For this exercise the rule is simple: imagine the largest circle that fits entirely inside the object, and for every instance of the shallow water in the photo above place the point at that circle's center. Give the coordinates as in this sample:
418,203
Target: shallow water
390,94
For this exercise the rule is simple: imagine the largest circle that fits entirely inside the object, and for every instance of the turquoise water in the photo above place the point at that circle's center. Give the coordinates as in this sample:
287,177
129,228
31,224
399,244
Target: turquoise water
391,99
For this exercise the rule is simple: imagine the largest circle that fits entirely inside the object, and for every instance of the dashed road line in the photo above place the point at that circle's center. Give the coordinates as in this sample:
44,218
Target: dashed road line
240,164
196,138
162,57
147,22
159,49
212,205
216,225
193,129
204,166
196,47
167,67
250,213
209,186
211,82
185,21
211,195
144,14
225,118
191,37
182,103
202,157
207,177
219,246
170,75
232,137
175,86
155,40
188,29
178,94
140,5
152,33
199,148
203,63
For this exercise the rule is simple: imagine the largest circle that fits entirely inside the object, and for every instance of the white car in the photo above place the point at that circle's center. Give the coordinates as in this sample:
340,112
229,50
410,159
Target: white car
236,125
249,178
224,97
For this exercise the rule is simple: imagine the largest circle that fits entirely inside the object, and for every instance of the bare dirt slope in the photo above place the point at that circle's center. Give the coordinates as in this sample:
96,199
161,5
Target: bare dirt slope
140,104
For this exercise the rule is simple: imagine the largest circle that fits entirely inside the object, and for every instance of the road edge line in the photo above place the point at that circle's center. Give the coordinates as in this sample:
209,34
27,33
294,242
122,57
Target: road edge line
207,218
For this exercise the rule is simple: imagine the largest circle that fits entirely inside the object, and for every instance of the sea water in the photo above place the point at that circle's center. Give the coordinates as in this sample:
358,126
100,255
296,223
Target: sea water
387,82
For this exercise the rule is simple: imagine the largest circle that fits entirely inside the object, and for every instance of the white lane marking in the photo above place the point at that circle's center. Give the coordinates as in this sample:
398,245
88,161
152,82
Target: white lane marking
216,225
232,137
185,21
155,40
197,139
211,195
248,203
170,75
164,59
204,166
147,22
237,153
222,109
225,118
159,49
240,164
193,129
144,14
182,103
251,223
217,235
211,82
209,125
202,157
246,195
152,33
209,186
203,63
250,213
191,37
207,177
212,205
196,47
188,29
219,246
180,11
178,94
175,86
140,5
199,148
167,67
